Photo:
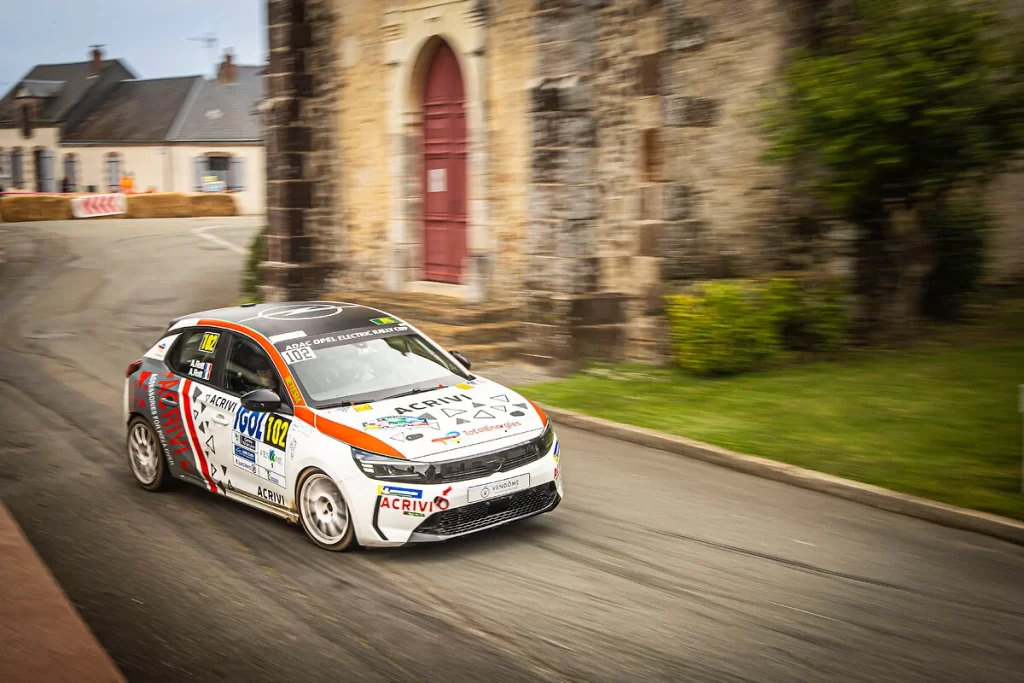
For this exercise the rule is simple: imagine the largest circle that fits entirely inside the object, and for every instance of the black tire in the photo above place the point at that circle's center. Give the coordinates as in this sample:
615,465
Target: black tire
139,428
308,510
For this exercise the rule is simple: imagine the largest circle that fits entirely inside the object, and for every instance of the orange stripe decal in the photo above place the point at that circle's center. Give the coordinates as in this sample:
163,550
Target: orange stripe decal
540,411
350,435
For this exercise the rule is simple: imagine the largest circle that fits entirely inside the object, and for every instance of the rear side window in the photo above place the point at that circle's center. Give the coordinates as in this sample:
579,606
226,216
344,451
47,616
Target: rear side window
194,354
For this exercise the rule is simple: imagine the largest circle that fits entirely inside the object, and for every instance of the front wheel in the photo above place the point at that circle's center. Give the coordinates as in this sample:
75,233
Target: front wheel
323,513
146,457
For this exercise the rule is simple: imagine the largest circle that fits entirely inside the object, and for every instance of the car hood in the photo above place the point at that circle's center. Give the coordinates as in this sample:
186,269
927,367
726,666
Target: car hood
456,421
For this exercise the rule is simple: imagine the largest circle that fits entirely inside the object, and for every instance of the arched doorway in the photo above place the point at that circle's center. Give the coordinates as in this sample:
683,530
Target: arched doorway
444,169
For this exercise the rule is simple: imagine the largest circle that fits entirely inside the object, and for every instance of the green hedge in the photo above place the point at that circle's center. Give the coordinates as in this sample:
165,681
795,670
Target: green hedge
731,326
959,234
251,276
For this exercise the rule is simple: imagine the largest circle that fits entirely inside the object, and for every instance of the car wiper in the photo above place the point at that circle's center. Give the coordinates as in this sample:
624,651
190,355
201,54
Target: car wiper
341,404
413,391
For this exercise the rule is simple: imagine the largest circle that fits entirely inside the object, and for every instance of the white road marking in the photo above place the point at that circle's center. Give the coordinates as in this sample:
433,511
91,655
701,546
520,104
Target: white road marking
803,542
201,233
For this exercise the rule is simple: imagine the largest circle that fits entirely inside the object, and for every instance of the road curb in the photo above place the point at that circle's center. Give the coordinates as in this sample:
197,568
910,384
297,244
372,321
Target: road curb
866,494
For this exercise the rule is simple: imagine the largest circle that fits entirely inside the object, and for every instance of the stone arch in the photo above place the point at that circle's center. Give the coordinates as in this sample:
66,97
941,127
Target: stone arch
415,34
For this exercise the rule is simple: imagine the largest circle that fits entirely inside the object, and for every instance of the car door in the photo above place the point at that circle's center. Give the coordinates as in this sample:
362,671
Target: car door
195,363
257,442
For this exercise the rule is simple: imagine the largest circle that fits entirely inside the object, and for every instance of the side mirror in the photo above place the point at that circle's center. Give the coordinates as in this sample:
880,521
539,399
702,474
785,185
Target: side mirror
261,401
462,359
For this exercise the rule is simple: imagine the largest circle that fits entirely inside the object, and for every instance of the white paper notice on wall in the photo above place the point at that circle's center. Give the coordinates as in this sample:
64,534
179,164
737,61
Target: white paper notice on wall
437,180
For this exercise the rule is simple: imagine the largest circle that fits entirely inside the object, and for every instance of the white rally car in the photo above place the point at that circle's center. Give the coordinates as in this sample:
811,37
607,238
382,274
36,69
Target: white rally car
342,418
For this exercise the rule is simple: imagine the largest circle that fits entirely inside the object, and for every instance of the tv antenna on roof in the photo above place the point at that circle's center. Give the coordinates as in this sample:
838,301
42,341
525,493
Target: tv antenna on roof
211,43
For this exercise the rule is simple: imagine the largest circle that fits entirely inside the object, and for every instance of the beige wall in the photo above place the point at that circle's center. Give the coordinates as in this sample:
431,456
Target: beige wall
41,137
252,199
1006,244
170,168
145,162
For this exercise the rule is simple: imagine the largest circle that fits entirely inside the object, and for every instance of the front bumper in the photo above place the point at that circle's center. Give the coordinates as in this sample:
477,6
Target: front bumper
488,514
396,514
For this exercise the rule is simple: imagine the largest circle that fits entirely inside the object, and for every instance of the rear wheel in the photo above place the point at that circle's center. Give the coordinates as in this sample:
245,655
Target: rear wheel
146,457
323,512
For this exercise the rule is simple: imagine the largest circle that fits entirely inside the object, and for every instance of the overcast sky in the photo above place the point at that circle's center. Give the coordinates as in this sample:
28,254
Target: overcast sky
151,36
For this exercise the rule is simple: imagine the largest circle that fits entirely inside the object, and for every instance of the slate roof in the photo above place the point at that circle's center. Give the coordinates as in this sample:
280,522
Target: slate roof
223,112
136,111
75,82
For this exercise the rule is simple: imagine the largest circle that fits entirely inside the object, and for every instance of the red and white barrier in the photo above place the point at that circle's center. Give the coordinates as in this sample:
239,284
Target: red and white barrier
98,205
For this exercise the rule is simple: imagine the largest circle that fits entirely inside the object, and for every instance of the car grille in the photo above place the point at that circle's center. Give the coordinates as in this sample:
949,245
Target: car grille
487,513
485,465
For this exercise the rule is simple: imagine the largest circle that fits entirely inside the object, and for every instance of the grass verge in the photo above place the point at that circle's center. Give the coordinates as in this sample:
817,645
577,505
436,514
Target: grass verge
938,420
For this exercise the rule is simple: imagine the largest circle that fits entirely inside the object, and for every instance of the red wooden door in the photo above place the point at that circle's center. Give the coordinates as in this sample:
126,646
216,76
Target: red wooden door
444,169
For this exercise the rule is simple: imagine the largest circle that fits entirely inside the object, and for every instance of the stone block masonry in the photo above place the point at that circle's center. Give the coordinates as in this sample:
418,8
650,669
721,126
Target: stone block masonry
612,154
303,202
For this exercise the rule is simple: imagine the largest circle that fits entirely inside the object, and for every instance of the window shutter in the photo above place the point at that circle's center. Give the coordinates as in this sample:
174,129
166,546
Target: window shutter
236,174
46,158
113,174
201,166
17,170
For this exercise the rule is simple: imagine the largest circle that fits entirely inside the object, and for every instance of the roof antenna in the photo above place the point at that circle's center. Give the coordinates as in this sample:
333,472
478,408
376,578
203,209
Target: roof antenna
211,43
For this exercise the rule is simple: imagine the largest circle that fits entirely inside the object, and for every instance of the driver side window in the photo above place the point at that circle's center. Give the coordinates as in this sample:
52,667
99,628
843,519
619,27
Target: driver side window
248,368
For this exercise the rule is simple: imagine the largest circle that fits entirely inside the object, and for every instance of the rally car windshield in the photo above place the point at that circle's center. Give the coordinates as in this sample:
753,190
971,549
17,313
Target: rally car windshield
341,371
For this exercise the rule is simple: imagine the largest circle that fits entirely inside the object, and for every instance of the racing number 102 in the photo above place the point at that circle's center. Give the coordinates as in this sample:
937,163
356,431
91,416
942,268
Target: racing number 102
276,431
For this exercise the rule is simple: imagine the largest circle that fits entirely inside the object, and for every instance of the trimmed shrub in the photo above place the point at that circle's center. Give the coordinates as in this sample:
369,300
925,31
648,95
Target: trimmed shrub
813,314
959,233
732,326
213,204
40,207
724,328
158,205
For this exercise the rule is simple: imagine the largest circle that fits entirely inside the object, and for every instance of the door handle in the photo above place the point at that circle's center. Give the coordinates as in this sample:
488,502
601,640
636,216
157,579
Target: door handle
220,419
167,400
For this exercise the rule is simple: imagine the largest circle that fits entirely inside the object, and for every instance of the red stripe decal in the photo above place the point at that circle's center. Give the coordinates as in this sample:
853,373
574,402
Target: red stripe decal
186,408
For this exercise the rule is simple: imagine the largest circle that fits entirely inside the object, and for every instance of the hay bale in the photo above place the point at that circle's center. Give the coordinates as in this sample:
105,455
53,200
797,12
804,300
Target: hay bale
159,205
213,204
36,207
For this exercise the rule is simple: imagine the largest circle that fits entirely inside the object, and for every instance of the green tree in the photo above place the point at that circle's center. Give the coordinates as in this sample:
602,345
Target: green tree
900,104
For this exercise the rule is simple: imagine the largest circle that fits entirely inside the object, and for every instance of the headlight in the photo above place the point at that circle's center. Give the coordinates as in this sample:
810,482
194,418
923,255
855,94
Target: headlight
547,439
385,468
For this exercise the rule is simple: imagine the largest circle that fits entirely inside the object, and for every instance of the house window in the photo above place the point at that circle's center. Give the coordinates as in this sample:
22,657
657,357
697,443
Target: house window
218,167
70,172
223,170
113,172
17,168
5,168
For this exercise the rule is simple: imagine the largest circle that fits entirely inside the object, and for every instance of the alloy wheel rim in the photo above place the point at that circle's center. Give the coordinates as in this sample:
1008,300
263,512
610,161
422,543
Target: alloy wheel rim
144,457
323,509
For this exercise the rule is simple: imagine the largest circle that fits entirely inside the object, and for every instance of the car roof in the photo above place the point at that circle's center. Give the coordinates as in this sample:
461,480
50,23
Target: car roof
311,317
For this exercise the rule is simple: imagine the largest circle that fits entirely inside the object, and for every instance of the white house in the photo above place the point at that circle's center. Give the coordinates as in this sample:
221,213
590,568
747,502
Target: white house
167,133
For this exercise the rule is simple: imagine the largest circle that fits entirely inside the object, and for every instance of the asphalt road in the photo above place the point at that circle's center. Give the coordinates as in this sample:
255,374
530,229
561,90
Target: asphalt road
654,568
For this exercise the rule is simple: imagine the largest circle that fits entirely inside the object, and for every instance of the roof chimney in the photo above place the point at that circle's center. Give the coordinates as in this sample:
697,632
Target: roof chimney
228,71
97,60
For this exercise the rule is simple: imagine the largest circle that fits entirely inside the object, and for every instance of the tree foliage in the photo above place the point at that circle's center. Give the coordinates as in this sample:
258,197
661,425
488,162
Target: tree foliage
904,101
